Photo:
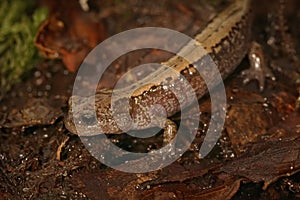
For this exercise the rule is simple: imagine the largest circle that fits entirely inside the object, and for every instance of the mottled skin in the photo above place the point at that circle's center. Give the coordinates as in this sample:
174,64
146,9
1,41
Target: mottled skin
226,39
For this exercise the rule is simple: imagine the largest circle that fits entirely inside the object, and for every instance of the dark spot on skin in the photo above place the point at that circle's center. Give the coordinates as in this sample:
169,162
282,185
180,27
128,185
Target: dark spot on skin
153,88
88,119
169,79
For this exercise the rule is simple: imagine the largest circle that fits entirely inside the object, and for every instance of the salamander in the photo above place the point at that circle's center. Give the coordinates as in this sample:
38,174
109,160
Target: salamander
226,39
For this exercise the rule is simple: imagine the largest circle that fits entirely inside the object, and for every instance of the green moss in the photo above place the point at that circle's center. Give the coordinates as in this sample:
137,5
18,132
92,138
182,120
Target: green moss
17,30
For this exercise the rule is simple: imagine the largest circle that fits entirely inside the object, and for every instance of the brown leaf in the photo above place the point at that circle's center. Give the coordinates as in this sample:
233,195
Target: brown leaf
69,33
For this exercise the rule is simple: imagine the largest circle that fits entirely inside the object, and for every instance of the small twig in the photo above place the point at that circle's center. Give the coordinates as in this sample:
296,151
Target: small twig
59,149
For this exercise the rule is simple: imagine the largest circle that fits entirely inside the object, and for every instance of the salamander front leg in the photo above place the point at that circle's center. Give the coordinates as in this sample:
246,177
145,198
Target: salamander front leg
170,130
258,67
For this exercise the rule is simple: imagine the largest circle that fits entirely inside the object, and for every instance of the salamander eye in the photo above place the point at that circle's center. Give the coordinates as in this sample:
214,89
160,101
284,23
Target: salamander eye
88,119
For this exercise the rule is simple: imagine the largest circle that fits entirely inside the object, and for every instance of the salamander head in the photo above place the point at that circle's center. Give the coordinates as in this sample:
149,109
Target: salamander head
83,115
